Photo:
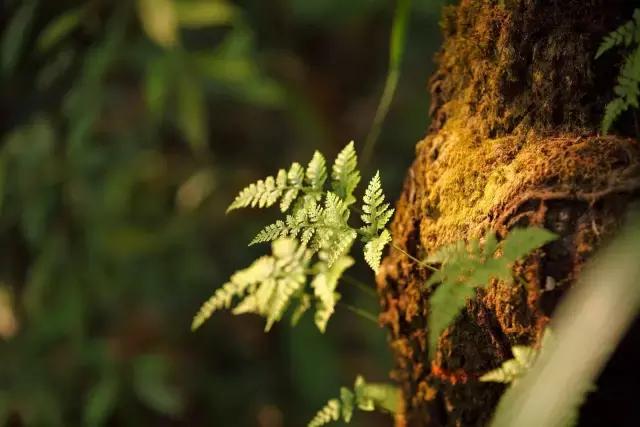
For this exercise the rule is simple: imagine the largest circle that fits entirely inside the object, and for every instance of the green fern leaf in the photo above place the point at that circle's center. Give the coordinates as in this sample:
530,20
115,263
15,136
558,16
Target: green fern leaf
303,305
330,412
612,112
317,174
446,303
260,270
365,397
465,267
295,179
271,232
262,194
324,285
623,35
345,175
268,285
373,250
376,213
627,89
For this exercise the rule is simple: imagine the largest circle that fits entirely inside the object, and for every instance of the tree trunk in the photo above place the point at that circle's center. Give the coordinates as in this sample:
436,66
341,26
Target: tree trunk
517,102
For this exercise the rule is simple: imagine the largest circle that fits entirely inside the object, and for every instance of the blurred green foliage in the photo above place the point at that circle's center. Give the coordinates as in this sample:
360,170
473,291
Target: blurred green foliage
127,126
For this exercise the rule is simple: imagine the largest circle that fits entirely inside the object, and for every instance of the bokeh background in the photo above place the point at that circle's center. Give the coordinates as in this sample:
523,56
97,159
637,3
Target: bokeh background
126,129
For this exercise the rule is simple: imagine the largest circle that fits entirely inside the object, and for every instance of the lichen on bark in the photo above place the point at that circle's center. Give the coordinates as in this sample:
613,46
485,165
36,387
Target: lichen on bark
516,105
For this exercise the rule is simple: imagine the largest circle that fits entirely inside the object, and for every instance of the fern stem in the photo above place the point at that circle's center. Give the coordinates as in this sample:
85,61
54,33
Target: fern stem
360,285
360,312
411,257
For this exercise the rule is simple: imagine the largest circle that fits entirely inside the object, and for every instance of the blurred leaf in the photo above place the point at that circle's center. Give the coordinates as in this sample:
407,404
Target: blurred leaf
59,28
150,374
157,85
191,114
159,21
101,400
16,33
204,13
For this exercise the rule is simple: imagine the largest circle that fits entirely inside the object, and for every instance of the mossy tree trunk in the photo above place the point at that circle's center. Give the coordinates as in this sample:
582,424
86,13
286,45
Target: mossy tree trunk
517,102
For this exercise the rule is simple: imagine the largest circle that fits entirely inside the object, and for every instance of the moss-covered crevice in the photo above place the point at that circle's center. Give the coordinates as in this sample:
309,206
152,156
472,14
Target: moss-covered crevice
517,102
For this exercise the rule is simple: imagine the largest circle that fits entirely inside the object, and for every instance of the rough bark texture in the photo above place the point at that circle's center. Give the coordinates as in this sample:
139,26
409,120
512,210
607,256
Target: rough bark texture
516,107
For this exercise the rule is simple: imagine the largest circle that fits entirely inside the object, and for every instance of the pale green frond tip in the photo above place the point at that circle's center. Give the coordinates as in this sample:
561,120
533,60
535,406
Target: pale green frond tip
345,175
375,212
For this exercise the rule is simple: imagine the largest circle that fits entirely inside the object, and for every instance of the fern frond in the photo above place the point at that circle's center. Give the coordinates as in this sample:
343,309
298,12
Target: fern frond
365,396
376,213
262,194
345,175
465,267
612,112
512,369
373,249
303,305
317,174
295,179
268,285
627,89
237,286
271,232
324,285
330,412
623,35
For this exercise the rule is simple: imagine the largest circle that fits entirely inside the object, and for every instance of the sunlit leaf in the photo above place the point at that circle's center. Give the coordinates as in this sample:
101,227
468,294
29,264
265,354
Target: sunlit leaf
159,21
59,28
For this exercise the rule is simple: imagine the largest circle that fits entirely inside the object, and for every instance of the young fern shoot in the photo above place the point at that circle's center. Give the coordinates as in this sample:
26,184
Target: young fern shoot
365,397
313,239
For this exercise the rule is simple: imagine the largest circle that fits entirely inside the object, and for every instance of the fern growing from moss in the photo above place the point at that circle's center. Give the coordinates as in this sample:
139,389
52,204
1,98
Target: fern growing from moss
465,267
310,244
364,396
627,88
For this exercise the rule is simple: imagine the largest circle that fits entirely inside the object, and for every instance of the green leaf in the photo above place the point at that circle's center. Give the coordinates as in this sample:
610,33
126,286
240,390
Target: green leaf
15,34
373,250
150,375
365,397
191,114
466,267
159,21
317,173
324,285
376,213
345,175
204,13
59,28
445,305
101,400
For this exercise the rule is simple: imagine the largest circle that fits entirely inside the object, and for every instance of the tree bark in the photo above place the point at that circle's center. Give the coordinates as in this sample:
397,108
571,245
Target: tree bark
517,102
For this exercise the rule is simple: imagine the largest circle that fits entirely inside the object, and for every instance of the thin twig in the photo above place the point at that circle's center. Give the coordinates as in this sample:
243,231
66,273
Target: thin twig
360,285
360,312
411,257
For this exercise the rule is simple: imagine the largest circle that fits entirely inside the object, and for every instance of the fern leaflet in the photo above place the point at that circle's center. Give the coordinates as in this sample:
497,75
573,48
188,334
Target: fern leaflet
365,397
465,267
627,89
324,286
345,175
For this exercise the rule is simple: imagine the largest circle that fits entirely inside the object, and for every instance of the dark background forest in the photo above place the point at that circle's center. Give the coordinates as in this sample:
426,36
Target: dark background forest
122,145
